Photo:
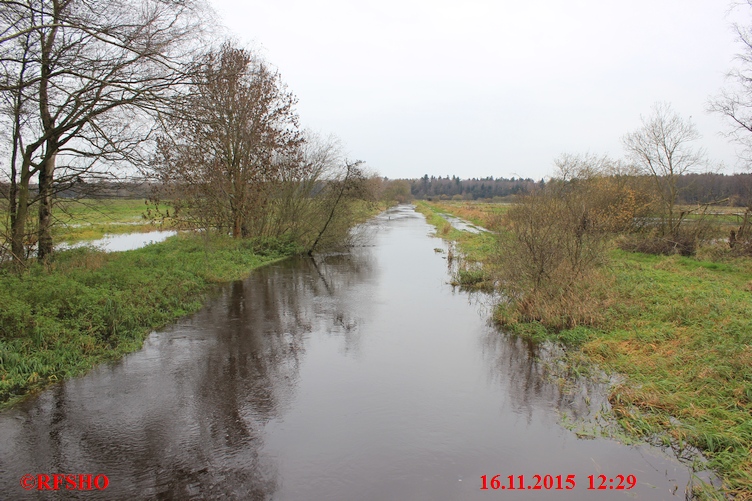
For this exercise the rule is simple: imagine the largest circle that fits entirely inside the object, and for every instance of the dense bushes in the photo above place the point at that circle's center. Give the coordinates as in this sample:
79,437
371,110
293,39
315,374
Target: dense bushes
554,239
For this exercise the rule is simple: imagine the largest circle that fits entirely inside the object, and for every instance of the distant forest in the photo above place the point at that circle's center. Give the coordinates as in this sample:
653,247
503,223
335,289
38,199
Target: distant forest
469,189
735,189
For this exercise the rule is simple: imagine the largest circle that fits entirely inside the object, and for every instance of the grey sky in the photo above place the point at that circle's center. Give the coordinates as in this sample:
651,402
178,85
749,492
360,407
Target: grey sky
480,88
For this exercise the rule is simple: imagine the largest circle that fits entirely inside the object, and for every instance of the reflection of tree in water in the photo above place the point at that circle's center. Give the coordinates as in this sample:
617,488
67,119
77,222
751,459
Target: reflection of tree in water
183,418
261,326
525,367
339,310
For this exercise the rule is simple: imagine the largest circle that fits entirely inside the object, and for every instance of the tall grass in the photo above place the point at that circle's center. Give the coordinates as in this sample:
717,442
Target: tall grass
487,215
472,254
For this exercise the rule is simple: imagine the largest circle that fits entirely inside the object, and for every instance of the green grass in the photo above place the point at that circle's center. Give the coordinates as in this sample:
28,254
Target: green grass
475,247
682,333
101,211
680,330
484,214
110,303
89,219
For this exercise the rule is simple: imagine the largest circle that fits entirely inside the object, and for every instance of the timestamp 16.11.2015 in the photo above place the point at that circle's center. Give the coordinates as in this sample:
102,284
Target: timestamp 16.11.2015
555,482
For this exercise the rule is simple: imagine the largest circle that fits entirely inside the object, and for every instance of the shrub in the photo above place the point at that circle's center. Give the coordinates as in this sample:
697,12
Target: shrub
683,244
556,239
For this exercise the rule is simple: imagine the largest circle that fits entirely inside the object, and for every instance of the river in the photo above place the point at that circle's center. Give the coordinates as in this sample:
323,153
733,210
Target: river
356,376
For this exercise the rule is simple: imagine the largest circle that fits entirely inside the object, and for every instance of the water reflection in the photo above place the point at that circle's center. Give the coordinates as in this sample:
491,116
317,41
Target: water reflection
184,416
523,368
352,376
122,242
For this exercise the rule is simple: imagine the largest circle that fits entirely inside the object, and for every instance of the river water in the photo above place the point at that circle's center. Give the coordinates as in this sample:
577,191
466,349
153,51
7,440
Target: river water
359,376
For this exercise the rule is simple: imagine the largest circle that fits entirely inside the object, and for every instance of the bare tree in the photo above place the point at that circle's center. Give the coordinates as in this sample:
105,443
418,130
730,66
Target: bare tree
349,187
318,197
734,102
296,201
662,148
88,74
221,153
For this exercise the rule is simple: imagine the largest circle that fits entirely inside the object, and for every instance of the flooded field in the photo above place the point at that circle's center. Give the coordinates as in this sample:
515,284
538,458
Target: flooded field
123,242
353,376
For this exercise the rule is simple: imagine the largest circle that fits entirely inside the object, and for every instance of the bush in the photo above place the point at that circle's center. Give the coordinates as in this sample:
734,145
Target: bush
556,240
274,246
683,244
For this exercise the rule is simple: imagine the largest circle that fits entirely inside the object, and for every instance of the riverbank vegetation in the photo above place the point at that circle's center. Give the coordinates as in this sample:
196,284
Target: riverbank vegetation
678,328
59,320
139,100
603,259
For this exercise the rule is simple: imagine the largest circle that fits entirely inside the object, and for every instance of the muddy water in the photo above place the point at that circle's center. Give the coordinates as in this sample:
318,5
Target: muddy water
356,376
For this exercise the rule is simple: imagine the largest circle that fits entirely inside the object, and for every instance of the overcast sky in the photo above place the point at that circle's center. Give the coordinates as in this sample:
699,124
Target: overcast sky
478,88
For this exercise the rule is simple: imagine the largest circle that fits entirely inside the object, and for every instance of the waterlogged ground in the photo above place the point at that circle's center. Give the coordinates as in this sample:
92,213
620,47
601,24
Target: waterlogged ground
461,224
353,376
123,242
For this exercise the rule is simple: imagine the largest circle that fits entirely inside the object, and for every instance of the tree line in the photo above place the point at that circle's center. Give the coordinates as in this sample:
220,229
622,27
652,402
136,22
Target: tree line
469,189
734,190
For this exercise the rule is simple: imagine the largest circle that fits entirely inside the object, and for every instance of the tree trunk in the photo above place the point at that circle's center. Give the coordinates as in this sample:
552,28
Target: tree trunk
237,227
18,230
334,208
47,171
46,176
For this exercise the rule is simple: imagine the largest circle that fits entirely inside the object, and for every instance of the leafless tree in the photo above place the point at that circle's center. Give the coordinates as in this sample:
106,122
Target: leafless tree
224,149
80,79
734,102
663,150
349,187
316,201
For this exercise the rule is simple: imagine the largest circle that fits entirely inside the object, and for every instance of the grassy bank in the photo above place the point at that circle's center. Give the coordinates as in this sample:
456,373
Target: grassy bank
471,250
88,307
474,247
486,215
679,330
